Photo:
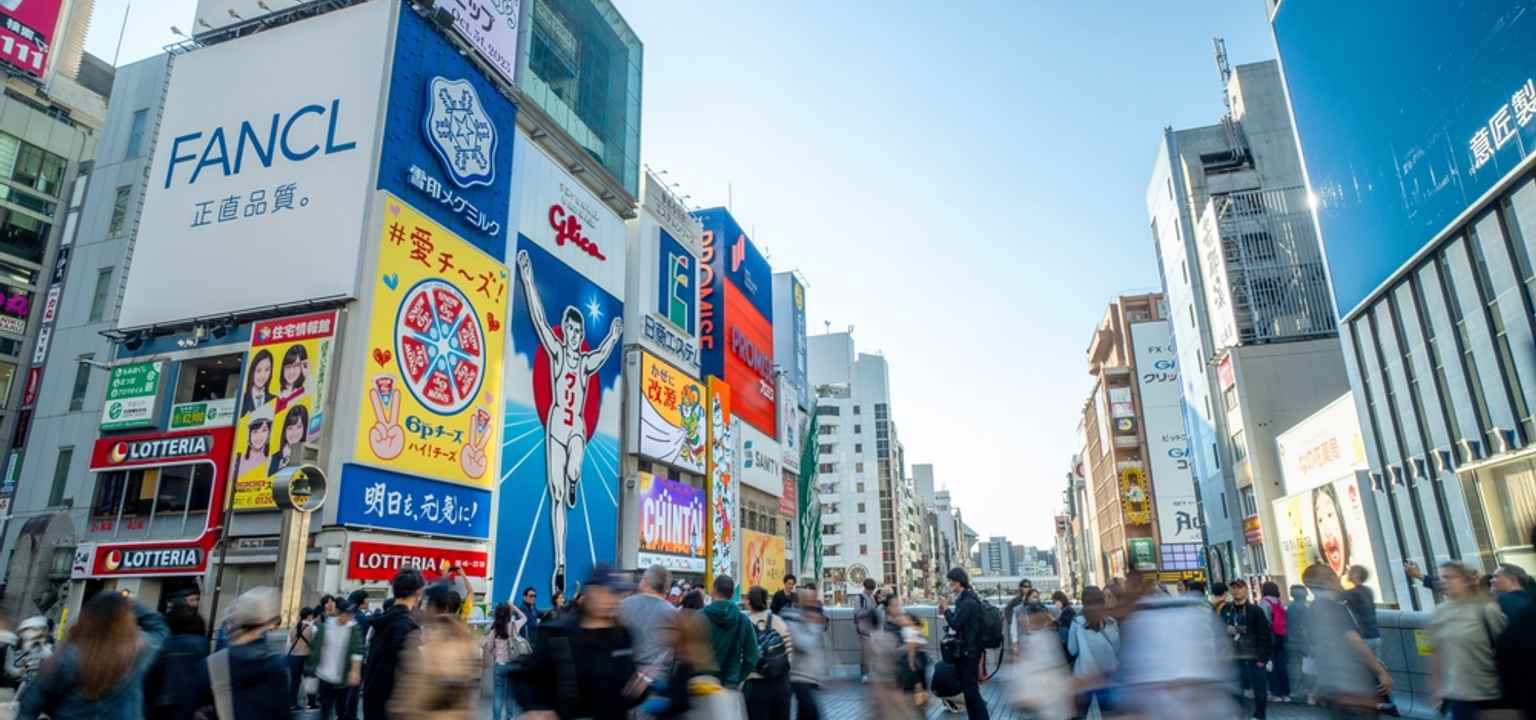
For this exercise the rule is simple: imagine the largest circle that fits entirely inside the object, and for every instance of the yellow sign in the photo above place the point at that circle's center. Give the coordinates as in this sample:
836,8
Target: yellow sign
1425,647
671,415
281,402
762,561
1135,497
436,334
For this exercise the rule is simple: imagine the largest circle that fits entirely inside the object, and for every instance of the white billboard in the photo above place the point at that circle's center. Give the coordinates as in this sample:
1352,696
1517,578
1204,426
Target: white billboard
554,210
792,424
1326,524
1173,483
662,285
490,27
261,172
758,460
1322,448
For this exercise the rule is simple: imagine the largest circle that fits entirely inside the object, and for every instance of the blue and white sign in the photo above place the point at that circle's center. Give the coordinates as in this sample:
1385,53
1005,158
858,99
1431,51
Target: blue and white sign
445,137
387,500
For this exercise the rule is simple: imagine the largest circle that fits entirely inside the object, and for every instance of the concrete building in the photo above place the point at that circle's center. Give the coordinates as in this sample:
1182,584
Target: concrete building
860,469
995,556
1241,267
1424,197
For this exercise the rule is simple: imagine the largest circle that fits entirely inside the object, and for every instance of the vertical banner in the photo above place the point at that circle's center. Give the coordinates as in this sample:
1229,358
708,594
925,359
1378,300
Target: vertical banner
282,401
557,514
720,481
809,501
762,562
435,341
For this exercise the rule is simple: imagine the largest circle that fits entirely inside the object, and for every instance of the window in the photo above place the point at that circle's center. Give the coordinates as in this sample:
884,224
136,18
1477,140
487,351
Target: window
858,487
22,235
1249,501
1191,315
82,383
858,447
1239,447
861,507
99,297
136,133
119,210
855,409
1230,397
858,467
863,549
31,166
212,378
863,529
858,429
826,468
828,430
825,410
830,529
61,476
7,377
831,551
826,449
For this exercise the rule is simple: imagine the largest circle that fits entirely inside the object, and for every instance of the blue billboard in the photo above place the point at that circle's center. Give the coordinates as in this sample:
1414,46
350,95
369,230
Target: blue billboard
386,500
727,253
1405,118
448,138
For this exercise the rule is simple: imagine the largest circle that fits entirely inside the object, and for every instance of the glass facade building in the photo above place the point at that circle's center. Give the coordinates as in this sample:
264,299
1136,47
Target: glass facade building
580,62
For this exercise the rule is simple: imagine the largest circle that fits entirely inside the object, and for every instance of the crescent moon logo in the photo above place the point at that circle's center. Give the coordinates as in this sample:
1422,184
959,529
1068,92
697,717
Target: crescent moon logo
118,453
114,559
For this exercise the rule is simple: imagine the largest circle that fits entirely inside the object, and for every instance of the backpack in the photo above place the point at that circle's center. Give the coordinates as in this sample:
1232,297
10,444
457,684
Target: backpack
864,618
991,635
773,654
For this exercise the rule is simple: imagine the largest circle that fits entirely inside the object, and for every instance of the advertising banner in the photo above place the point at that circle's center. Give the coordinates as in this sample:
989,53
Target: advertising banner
15,304
736,319
671,524
1143,554
560,215
282,405
799,372
378,562
1135,500
559,493
1322,448
133,395
448,130
194,415
808,502
490,27
262,192
1173,481
669,417
737,259
385,500
27,34
1326,524
757,460
663,303
791,425
762,561
435,343
720,481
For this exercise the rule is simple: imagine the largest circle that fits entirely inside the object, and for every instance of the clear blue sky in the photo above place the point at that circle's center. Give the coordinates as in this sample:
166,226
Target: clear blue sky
962,182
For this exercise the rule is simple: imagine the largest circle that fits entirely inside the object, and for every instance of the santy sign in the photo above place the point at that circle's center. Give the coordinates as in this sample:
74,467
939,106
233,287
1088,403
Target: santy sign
380,561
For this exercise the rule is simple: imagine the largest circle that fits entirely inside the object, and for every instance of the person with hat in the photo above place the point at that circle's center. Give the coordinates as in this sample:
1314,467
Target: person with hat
336,658
250,678
583,663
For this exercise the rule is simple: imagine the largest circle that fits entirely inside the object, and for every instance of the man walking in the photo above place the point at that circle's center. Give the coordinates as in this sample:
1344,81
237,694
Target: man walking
966,619
866,621
730,635
808,661
392,630
785,597
650,620
1252,644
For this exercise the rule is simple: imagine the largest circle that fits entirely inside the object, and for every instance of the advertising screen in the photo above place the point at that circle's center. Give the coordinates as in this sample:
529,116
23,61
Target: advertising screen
1173,483
1404,118
434,355
262,193
671,524
748,362
762,561
663,307
789,343
287,372
669,424
449,134
1325,524
720,481
27,34
736,259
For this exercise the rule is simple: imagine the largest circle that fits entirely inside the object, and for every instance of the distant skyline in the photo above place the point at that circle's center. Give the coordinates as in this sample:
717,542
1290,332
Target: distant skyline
965,186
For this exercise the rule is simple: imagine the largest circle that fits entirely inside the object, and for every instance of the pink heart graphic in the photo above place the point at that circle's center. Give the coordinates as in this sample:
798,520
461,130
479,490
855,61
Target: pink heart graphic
394,209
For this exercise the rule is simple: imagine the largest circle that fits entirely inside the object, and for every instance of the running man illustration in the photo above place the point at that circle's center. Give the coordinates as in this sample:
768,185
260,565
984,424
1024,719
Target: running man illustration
565,427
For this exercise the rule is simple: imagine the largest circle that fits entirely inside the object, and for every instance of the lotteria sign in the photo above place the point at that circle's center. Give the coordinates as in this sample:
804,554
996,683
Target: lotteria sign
375,561
116,452
149,560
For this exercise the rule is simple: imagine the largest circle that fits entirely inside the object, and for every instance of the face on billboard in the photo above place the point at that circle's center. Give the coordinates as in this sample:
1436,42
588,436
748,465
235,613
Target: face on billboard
262,192
448,133
672,424
762,560
1403,131
1327,525
287,370
748,363
559,483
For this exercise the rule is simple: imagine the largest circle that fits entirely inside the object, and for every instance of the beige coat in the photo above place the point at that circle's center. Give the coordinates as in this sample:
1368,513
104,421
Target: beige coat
439,678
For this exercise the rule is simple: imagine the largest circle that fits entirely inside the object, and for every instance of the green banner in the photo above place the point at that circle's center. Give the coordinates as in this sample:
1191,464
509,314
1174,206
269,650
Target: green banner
132,395
810,503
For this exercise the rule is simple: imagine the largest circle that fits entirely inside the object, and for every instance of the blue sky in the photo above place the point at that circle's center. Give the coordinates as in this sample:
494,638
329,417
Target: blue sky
961,182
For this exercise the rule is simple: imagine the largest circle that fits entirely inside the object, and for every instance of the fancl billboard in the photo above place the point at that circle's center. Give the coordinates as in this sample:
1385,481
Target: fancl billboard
262,170
1405,119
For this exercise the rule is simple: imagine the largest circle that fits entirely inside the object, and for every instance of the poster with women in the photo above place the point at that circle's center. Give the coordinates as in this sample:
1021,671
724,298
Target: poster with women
282,401
1326,524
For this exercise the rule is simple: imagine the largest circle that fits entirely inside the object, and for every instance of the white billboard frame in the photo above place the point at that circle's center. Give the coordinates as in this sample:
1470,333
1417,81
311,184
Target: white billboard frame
1162,418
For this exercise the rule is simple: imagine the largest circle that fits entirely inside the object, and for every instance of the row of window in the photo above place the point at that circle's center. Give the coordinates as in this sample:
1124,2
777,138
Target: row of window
833,410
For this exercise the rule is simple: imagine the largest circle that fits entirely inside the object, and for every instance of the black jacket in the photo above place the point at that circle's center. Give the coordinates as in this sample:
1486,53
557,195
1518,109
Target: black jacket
1515,659
258,678
578,672
1253,639
178,683
392,629
965,617
780,601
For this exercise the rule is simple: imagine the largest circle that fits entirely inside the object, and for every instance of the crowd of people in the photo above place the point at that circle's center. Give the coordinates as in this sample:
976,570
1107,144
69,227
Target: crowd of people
661,649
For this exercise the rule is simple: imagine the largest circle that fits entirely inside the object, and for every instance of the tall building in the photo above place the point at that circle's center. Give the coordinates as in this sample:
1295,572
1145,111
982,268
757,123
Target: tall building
860,468
995,555
1243,272
1425,203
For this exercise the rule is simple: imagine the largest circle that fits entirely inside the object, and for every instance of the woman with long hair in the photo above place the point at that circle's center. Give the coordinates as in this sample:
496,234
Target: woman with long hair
502,644
290,444
290,381
100,671
1094,640
1328,527
258,383
258,437
1462,672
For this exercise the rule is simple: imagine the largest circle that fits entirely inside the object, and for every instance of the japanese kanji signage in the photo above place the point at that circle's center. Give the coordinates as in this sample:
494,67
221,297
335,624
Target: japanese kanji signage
376,561
720,481
449,132
262,169
392,501
490,27
132,392
430,404
282,402
27,32
668,422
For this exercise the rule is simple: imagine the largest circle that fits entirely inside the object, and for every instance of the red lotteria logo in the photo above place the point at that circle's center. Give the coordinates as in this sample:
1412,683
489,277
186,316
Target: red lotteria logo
118,453
568,229
114,560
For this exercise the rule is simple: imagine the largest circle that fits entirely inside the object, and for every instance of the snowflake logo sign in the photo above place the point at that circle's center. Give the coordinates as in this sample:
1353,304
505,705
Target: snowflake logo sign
460,132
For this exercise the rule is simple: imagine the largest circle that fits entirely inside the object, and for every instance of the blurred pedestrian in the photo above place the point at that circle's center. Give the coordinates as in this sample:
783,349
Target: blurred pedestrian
99,672
785,596
1064,615
391,633
250,678
1175,659
1512,589
503,644
807,623
439,676
648,617
1515,656
583,664
1361,601
337,659
912,659
298,655
177,684
1013,612
866,622
362,618
1040,681
529,606
1279,674
1463,631
730,634
766,689
1093,640
966,618
1220,596
1252,644
694,600
1298,662
328,604
556,607
1349,677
